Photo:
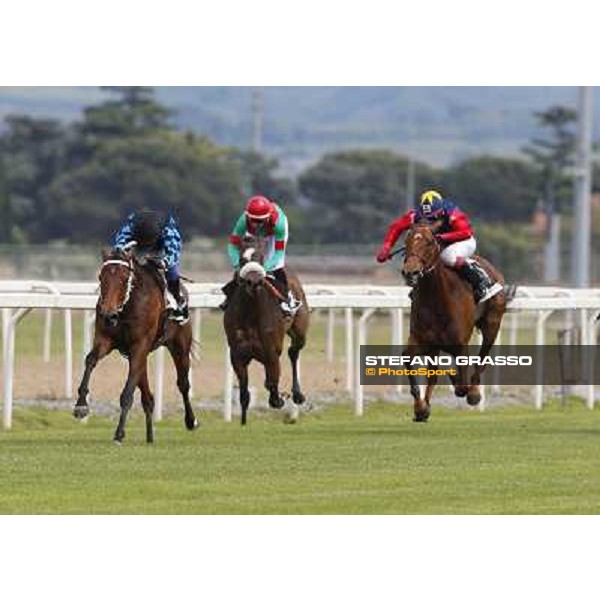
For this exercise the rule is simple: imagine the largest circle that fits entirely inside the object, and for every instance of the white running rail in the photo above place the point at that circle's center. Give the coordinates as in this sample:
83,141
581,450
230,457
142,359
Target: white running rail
358,303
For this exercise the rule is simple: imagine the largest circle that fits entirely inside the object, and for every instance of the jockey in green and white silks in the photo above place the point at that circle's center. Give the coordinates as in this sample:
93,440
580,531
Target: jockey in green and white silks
264,219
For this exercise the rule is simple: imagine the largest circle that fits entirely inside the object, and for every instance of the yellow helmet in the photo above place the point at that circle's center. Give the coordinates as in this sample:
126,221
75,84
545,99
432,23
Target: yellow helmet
431,203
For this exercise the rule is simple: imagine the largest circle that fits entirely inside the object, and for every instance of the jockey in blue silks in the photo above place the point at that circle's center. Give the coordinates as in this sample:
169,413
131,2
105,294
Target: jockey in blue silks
154,234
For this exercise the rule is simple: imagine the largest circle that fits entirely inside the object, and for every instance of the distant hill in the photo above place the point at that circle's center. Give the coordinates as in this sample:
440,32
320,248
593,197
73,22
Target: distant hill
436,124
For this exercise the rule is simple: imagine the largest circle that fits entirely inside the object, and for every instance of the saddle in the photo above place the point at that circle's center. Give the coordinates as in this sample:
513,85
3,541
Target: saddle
153,267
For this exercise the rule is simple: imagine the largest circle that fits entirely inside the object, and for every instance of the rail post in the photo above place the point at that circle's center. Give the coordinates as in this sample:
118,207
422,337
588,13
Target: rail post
10,321
228,387
330,334
362,340
159,378
349,349
68,353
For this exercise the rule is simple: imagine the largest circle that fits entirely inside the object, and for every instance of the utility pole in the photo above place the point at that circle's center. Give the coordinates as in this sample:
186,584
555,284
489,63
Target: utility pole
258,107
410,184
552,246
582,223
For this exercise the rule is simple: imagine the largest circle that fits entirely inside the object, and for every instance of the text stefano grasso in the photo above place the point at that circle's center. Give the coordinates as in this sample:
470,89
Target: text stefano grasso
447,361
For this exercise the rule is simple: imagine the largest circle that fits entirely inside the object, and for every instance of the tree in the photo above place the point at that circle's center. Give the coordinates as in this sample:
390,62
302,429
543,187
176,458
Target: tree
554,154
7,221
351,196
493,189
135,111
258,176
166,171
31,152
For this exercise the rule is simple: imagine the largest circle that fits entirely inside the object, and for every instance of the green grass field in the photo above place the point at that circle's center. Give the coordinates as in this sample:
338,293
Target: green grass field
512,460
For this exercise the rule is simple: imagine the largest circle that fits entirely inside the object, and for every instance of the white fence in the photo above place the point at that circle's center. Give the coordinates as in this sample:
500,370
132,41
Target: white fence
358,304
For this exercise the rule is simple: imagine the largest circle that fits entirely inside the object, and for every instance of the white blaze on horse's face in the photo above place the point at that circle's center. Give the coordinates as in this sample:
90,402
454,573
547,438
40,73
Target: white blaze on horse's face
116,284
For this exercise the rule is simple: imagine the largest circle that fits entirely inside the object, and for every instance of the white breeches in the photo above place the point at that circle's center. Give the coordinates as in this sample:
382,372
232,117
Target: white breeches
464,249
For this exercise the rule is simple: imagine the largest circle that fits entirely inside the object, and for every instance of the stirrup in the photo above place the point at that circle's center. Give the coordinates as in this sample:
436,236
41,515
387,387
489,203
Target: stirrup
291,306
180,314
490,292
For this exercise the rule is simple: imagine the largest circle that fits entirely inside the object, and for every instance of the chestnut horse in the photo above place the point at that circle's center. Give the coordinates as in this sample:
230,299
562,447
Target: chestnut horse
444,315
131,318
256,326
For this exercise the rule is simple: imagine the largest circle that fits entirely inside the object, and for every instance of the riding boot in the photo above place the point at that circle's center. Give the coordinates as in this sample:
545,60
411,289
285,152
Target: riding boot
228,290
181,315
291,305
483,286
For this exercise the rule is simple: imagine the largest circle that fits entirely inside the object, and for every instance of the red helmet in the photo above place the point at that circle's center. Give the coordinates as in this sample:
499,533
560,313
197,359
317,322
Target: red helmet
258,208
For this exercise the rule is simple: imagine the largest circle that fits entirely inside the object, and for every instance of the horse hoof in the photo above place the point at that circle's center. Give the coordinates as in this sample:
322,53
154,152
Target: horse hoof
422,416
81,412
192,425
473,398
118,442
461,391
276,402
298,398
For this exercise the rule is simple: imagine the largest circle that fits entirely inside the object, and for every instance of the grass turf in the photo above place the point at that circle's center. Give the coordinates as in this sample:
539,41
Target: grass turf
512,460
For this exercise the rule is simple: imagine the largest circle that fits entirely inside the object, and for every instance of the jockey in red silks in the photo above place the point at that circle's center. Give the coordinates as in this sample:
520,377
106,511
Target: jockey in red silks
455,235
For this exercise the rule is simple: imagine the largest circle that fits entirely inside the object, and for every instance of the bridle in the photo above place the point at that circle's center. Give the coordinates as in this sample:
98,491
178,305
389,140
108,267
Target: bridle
129,285
419,256
256,267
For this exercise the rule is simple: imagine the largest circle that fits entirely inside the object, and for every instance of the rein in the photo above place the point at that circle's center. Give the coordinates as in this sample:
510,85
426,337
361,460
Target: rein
258,268
423,271
271,288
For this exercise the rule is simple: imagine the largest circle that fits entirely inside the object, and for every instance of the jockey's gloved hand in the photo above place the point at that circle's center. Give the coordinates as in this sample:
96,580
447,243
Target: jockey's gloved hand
160,263
384,254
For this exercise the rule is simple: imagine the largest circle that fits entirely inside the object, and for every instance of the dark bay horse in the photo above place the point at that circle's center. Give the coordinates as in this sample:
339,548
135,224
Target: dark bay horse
131,318
256,326
444,315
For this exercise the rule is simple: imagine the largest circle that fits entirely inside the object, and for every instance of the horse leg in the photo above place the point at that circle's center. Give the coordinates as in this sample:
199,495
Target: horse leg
431,383
459,381
137,365
102,347
240,366
423,414
298,342
489,326
420,408
180,349
273,372
147,404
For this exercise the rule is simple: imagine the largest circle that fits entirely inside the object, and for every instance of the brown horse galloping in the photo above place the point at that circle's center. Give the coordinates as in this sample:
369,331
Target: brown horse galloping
131,318
256,326
444,314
